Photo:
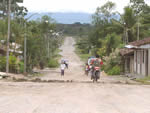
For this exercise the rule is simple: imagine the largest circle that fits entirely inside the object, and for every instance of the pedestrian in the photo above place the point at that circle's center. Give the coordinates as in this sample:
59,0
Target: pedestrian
66,63
62,67
86,69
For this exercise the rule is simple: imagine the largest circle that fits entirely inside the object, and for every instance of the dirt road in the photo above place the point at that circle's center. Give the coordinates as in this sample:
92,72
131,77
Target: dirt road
76,97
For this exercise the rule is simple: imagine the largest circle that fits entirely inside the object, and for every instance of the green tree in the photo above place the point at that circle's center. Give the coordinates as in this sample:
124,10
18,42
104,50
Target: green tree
127,23
137,6
141,10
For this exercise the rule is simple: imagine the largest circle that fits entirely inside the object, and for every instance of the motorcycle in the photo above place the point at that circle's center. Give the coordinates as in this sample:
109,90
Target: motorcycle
96,74
86,72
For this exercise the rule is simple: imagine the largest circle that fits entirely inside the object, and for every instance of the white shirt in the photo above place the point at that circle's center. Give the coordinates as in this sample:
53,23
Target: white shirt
62,66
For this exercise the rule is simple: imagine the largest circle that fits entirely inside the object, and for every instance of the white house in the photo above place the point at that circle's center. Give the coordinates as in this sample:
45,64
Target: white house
136,57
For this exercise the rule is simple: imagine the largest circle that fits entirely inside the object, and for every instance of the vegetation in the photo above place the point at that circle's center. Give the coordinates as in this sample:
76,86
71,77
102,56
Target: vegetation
76,29
112,30
14,65
109,32
53,63
43,40
145,80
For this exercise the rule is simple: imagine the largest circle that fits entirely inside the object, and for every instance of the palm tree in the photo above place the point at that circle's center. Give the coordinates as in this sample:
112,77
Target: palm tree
4,8
127,23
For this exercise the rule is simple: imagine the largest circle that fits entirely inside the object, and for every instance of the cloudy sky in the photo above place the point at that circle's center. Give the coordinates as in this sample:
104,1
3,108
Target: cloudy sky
88,6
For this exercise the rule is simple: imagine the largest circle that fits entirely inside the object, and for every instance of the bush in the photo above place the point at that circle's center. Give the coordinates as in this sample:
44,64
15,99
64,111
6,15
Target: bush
112,63
21,67
114,71
2,63
53,63
13,64
84,57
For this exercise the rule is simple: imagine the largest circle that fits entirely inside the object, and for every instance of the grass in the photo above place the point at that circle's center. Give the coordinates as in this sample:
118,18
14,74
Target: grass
83,57
36,74
145,80
56,54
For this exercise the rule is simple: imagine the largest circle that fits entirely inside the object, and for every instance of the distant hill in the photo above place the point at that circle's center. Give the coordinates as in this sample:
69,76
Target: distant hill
65,18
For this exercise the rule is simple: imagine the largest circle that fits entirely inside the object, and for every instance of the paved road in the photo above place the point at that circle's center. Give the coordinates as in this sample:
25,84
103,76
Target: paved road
84,97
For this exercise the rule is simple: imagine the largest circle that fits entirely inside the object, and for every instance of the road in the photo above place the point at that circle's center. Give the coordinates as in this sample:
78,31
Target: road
80,96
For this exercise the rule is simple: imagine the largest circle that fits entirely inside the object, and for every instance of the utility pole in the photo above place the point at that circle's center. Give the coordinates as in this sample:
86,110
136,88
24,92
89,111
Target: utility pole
47,37
25,51
9,18
48,48
138,30
25,45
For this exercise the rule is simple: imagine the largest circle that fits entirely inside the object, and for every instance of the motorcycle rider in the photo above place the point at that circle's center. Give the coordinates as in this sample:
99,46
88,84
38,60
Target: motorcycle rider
97,62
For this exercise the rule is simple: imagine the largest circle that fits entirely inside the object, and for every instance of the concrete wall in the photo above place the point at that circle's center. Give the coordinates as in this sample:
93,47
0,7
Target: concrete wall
131,64
135,62
140,64
149,62
140,61
143,63
138,71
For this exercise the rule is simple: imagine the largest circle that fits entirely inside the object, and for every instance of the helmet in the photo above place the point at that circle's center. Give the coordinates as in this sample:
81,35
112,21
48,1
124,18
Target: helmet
97,56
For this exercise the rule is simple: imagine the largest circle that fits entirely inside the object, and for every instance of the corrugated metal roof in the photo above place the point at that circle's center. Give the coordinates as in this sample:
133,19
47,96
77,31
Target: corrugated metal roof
140,42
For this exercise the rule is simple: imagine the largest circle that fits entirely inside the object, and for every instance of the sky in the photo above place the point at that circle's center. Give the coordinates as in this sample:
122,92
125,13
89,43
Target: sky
87,6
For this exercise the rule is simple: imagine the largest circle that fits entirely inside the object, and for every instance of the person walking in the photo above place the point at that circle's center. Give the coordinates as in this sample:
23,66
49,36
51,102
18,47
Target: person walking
66,62
62,67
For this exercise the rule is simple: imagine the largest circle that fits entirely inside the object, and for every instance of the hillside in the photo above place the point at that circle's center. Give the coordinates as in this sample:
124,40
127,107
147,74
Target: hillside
65,18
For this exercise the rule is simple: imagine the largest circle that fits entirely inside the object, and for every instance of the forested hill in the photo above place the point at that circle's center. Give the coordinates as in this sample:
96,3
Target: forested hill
65,18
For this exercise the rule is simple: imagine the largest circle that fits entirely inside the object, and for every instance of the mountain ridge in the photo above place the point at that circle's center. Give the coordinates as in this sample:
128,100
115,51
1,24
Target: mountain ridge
64,17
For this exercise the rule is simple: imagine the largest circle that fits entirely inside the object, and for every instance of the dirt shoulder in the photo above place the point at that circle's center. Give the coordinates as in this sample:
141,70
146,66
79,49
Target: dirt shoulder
73,97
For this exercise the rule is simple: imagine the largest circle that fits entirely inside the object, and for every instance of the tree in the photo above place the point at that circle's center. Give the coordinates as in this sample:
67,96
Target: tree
103,13
40,42
139,7
15,8
127,22
145,23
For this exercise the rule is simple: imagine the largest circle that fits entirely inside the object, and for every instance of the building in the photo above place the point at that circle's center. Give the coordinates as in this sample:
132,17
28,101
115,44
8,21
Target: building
2,50
14,48
136,57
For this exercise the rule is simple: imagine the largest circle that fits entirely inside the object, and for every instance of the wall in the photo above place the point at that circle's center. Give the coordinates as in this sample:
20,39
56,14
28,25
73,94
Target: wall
132,64
149,62
135,62
140,61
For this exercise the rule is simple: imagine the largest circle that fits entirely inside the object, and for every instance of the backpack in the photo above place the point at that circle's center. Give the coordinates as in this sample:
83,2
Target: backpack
96,63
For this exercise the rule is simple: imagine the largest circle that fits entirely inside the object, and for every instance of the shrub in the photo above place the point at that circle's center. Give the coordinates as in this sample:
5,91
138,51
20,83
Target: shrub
111,63
53,63
84,57
13,64
114,71
2,63
21,67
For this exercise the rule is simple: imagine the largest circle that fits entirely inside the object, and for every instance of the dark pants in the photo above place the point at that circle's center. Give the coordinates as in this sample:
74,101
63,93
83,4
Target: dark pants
66,66
62,72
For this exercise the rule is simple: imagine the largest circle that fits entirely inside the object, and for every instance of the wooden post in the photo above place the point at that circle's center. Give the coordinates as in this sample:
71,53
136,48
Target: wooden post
8,37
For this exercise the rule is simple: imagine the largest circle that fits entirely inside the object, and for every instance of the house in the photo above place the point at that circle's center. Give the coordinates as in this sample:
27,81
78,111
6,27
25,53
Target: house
136,57
2,50
14,48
